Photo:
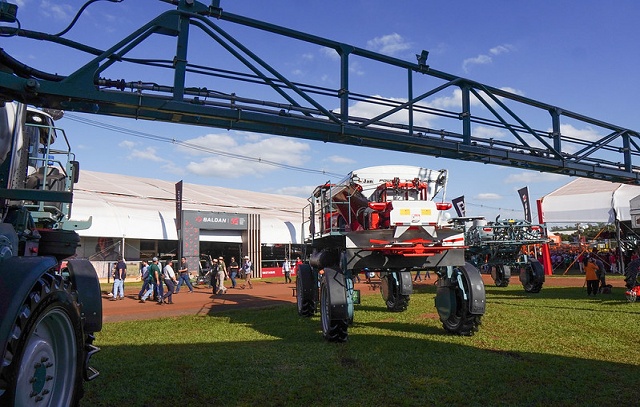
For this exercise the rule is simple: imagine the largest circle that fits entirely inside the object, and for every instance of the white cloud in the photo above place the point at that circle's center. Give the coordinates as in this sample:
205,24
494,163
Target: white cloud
586,134
488,196
56,10
129,145
484,59
171,167
302,191
479,60
391,44
148,153
486,132
355,67
501,49
529,177
224,156
330,53
512,90
134,152
340,160
208,142
219,167
369,109
454,100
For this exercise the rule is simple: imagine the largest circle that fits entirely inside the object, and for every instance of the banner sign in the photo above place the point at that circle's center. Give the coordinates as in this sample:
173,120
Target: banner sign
458,205
526,205
179,205
216,220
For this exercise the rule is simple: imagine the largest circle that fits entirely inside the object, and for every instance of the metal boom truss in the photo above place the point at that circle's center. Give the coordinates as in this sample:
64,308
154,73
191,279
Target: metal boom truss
487,125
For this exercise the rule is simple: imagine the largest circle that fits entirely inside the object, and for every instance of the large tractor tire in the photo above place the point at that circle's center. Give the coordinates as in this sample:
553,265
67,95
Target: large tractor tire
46,351
501,275
532,276
306,291
334,306
460,315
393,291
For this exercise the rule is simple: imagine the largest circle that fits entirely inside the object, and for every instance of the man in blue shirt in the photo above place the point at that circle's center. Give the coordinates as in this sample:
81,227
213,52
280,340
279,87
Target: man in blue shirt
118,279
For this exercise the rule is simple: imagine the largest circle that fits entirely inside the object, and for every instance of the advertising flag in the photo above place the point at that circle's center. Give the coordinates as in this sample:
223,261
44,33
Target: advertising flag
526,205
458,204
178,205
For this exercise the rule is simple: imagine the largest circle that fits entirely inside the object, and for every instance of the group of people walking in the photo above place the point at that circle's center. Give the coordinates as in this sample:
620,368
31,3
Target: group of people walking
220,272
155,278
160,283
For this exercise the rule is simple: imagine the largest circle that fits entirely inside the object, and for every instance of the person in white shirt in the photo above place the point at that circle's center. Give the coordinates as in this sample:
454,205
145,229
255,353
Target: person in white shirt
286,269
170,281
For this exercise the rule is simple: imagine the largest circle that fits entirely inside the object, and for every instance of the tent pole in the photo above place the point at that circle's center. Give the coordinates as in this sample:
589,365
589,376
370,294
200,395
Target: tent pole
618,250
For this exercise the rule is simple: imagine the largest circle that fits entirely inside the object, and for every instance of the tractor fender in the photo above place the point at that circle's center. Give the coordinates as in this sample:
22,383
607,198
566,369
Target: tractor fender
477,296
309,282
325,258
85,280
537,269
17,277
406,283
506,272
399,282
336,283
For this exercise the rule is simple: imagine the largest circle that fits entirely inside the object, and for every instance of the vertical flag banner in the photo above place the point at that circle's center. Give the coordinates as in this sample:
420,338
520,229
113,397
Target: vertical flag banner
178,205
458,204
526,205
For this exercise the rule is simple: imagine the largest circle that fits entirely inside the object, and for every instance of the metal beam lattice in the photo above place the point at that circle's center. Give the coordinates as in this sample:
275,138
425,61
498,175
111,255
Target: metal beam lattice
489,125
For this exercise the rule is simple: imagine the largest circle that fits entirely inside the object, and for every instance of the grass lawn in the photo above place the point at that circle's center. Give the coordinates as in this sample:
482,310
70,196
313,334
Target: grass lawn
555,348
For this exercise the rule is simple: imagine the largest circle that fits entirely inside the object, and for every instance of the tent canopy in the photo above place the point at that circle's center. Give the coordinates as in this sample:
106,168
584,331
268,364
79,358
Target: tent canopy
140,208
589,200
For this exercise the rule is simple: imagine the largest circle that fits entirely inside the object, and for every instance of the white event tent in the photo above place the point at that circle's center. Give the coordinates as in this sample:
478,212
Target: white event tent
588,200
139,208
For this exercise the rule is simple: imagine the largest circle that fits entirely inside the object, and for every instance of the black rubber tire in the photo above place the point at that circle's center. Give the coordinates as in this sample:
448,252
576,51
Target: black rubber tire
499,279
305,299
461,321
535,278
47,353
394,301
333,330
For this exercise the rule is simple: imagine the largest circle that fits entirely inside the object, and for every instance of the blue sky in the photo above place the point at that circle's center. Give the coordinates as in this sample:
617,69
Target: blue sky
579,55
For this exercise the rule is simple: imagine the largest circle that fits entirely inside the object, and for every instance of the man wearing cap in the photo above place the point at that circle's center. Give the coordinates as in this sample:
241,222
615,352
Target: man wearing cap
247,268
118,279
155,282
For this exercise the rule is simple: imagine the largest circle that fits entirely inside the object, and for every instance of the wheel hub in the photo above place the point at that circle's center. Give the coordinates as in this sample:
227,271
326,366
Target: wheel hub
36,389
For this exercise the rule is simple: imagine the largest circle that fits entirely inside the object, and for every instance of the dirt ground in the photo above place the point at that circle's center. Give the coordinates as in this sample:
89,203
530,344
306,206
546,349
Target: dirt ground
265,293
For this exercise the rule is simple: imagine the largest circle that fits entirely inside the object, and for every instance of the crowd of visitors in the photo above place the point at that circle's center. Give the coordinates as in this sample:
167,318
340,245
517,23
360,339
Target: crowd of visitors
574,258
160,283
